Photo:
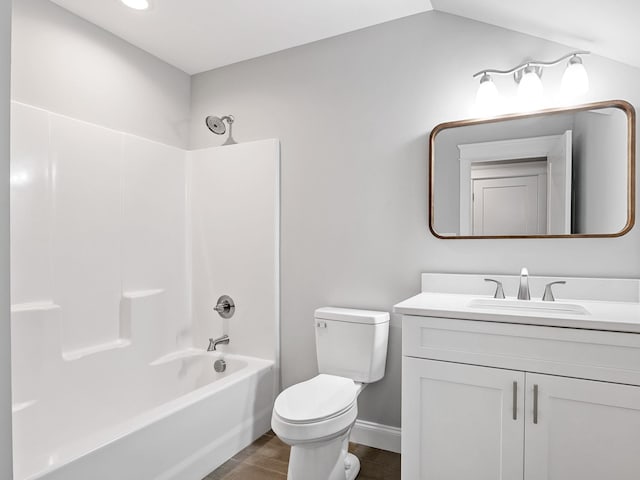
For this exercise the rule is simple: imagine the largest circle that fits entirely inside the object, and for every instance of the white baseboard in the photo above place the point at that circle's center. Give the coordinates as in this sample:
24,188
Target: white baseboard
376,435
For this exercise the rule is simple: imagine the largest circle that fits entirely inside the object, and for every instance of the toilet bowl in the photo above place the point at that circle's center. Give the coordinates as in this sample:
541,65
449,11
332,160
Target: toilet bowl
315,417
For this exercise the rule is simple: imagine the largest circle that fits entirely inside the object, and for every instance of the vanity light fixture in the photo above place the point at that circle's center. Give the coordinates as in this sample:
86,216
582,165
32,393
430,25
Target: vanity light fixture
487,98
527,75
575,81
136,4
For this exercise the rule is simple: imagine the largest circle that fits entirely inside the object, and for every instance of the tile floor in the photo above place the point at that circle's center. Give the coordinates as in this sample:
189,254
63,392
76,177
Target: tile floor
267,458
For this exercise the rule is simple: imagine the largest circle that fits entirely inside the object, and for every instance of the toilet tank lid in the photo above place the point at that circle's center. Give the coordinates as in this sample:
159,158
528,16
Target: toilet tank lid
351,315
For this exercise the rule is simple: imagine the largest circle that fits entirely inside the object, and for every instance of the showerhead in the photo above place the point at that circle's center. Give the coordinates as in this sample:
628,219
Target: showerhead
216,125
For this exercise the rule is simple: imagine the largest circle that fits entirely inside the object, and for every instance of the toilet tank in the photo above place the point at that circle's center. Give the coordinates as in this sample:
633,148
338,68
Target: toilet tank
352,343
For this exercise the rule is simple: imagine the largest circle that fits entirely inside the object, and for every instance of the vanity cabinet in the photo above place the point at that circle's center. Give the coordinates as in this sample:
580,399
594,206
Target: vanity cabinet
489,401
585,429
457,421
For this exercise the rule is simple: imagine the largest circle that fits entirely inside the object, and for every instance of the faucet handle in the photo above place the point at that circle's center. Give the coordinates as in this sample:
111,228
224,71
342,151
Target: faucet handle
499,290
225,306
548,293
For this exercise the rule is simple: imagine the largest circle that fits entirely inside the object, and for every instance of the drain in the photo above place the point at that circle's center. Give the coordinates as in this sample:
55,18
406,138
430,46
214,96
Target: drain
220,366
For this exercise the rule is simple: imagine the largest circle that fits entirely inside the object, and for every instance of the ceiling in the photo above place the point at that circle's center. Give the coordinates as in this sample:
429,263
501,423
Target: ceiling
199,35
605,27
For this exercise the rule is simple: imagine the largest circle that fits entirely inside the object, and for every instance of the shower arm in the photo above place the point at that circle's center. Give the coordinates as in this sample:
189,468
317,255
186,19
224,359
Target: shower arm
230,140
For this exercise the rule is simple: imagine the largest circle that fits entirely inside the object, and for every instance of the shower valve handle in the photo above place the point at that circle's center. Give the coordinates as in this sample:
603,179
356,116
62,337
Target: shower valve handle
225,306
222,307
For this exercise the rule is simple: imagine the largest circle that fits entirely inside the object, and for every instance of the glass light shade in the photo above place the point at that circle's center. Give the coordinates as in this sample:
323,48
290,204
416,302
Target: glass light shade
137,4
487,97
575,81
530,90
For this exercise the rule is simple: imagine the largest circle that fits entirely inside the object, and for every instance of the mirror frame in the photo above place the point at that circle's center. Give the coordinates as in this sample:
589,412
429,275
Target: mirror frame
623,105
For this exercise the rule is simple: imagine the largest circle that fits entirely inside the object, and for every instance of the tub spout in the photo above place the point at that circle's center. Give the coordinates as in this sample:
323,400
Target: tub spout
213,343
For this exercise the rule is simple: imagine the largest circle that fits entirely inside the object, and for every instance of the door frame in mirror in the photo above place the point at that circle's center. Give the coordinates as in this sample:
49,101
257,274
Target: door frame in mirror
623,105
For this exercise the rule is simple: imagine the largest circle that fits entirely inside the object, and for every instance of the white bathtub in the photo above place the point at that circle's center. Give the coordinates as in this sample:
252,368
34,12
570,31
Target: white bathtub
177,420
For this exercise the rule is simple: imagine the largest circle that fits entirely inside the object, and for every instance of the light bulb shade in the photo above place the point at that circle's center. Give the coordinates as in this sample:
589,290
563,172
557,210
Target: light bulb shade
575,81
487,97
530,90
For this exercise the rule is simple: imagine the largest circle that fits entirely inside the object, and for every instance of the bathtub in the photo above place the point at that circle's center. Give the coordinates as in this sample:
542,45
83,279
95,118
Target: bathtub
173,419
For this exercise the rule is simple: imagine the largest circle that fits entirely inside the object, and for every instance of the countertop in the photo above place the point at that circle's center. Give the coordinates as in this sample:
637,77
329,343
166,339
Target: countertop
602,315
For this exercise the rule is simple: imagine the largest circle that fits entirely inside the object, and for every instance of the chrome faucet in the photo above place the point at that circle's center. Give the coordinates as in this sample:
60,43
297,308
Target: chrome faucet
213,343
523,290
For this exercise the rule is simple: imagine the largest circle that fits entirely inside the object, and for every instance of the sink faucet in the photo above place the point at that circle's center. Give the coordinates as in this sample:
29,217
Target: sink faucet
523,290
213,343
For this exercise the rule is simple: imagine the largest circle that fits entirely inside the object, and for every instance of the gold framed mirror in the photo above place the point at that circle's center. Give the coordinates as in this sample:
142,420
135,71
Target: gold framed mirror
555,173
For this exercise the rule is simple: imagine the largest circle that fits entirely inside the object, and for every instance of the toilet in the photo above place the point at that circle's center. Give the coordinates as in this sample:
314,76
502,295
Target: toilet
315,417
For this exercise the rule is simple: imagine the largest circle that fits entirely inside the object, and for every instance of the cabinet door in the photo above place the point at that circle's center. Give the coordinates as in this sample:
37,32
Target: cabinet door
585,430
458,422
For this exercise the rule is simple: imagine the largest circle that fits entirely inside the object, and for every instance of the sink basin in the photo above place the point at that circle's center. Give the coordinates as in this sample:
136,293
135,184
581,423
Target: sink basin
528,306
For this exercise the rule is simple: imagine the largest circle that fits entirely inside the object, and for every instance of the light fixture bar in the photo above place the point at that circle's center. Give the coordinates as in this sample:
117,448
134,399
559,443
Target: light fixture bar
532,63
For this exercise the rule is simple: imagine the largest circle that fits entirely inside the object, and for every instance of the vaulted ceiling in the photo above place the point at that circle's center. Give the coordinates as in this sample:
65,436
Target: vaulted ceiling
608,28
199,35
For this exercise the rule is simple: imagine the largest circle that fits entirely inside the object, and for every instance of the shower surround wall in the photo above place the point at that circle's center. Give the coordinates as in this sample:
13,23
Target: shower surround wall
99,270
98,222
235,223
118,255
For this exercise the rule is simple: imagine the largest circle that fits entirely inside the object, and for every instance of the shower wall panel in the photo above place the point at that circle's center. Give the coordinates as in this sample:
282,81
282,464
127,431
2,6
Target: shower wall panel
96,214
235,225
86,166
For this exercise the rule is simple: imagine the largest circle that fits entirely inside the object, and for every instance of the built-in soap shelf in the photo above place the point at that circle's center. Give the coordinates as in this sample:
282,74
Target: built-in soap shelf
71,355
39,355
133,294
20,406
140,312
33,307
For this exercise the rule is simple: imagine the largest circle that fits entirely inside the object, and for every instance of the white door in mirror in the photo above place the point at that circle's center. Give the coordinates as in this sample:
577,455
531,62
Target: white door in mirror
507,206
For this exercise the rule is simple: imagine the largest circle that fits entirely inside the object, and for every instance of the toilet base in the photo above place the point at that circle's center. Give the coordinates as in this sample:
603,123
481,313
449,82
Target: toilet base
352,466
323,460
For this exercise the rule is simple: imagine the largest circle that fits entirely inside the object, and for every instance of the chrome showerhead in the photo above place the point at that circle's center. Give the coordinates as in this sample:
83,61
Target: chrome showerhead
217,126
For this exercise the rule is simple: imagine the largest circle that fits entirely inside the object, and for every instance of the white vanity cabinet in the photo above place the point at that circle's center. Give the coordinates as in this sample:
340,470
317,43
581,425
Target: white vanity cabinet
585,429
485,400
457,421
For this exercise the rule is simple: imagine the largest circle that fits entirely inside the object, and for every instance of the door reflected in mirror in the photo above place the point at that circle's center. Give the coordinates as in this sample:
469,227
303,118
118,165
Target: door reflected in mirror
554,173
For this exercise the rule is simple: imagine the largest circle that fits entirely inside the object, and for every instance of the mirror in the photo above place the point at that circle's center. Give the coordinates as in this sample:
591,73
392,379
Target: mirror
566,172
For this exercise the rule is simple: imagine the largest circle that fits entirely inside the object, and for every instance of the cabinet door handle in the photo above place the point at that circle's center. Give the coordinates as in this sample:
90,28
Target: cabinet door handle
535,404
515,400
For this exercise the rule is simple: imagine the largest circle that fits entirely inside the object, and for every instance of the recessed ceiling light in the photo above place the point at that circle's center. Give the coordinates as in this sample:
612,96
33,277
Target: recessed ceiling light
136,4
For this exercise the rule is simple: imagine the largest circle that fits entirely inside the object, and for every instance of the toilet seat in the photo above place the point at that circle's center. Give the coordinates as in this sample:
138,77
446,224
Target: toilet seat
315,400
319,408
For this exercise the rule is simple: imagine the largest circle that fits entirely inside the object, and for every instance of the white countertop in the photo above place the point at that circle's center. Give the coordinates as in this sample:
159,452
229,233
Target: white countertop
602,315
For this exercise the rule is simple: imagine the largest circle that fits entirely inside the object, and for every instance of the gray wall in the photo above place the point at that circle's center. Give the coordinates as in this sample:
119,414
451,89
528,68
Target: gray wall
69,66
5,320
353,115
